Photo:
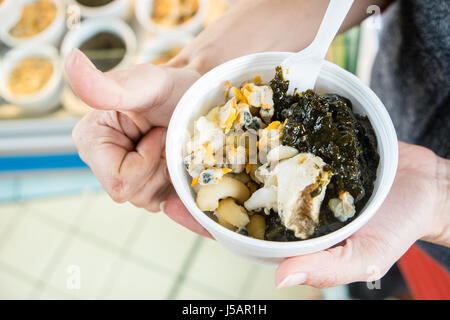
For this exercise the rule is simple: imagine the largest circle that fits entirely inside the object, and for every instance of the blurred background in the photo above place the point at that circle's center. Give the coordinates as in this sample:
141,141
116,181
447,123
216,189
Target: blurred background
61,237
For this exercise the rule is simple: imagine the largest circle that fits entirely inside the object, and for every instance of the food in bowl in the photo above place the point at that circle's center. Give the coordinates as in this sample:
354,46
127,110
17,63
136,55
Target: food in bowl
170,13
105,49
30,75
36,17
281,167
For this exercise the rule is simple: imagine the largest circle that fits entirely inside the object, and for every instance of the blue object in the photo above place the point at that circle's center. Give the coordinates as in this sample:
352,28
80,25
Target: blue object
41,162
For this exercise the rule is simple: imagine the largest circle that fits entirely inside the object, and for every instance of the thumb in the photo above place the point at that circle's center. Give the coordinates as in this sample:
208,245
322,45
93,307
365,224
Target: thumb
133,89
353,261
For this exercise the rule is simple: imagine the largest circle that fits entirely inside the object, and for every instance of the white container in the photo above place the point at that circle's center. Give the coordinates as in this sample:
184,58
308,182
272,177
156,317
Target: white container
143,10
10,11
208,92
44,100
155,46
114,9
51,35
90,27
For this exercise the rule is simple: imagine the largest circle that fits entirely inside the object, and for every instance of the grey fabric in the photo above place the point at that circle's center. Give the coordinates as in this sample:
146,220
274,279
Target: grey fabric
411,75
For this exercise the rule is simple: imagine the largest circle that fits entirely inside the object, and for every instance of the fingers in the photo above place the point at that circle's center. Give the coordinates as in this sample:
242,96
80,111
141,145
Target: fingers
356,260
175,209
122,168
156,190
133,89
92,86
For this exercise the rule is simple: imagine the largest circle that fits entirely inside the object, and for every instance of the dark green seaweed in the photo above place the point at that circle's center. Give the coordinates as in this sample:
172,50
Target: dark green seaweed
326,127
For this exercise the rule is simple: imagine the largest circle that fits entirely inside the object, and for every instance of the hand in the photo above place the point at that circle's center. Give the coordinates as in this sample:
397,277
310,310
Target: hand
414,209
122,141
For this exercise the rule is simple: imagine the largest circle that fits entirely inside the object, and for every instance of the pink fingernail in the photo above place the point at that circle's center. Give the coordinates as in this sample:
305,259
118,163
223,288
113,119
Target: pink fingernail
292,280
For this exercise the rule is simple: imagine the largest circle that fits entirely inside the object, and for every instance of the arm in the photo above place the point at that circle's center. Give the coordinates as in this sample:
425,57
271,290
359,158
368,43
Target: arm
263,25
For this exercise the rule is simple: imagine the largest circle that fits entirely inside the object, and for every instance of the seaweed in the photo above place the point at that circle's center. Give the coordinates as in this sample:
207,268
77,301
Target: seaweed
326,126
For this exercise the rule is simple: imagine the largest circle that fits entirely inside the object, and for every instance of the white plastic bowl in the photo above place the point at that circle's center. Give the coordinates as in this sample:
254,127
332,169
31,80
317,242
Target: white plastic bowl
114,9
44,100
50,35
90,27
143,10
208,92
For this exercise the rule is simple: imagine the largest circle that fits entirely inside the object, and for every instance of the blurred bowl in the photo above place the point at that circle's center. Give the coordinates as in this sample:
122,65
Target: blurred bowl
10,11
113,9
144,8
90,27
208,92
48,97
159,45
50,35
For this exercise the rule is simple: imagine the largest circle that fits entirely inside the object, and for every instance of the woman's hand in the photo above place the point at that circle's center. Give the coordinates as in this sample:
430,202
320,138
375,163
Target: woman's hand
122,141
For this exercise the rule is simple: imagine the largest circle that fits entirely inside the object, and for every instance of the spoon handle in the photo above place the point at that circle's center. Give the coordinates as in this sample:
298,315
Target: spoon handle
331,22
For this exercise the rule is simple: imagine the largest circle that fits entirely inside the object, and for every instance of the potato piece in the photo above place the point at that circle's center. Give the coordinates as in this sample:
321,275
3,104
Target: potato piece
208,196
232,213
225,224
257,226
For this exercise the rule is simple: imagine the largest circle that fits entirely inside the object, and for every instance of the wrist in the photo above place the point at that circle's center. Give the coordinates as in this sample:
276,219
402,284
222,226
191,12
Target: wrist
440,224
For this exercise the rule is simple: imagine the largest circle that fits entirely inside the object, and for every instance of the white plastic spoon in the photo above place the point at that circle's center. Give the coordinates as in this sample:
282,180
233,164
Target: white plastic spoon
302,68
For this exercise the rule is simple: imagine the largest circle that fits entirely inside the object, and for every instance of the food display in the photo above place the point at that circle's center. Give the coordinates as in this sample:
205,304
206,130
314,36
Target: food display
170,13
30,75
105,49
94,3
281,167
36,17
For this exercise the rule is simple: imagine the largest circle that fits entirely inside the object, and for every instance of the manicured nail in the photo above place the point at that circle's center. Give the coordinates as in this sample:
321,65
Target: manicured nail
292,280
161,206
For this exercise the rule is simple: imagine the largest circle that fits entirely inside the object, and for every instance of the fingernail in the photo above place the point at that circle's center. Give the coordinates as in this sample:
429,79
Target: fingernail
292,280
161,205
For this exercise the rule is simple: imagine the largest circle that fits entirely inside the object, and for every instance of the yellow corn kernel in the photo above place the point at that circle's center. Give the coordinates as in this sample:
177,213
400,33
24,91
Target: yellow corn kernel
194,182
